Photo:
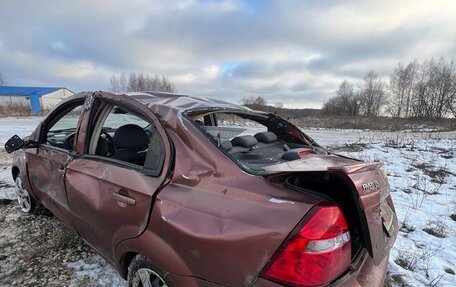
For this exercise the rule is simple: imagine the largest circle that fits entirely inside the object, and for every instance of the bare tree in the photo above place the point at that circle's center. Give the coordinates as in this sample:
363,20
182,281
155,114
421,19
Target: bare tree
410,77
445,87
332,106
452,106
256,103
421,90
118,83
349,99
140,82
435,89
345,103
401,88
278,106
2,80
252,100
372,94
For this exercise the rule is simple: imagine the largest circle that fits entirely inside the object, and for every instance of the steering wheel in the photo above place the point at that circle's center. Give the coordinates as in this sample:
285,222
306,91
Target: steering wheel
104,135
68,142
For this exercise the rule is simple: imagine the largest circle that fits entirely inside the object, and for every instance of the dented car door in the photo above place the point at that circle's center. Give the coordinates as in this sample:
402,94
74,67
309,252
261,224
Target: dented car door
47,163
110,200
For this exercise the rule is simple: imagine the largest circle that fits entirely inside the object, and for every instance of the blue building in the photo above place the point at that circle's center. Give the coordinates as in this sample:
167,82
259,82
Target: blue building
37,99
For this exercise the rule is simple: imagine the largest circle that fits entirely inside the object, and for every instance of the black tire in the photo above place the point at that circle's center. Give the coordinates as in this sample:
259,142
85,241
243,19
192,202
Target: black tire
140,267
27,203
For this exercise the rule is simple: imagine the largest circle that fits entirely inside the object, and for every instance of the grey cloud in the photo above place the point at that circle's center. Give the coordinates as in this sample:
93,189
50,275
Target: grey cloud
288,51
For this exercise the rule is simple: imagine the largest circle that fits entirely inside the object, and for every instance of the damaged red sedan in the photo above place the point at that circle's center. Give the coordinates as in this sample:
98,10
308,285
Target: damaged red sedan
175,190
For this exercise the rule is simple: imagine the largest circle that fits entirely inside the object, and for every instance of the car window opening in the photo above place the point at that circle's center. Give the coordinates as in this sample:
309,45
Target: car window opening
61,132
252,139
125,136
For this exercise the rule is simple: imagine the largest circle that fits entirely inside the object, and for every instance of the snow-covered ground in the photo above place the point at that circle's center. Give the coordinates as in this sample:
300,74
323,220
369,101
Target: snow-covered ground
22,127
422,175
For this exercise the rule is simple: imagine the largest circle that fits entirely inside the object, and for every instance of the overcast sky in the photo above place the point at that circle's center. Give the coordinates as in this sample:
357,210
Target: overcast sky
294,52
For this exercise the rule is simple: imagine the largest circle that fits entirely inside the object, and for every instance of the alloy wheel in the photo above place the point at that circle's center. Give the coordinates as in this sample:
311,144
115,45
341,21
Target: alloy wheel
146,277
23,198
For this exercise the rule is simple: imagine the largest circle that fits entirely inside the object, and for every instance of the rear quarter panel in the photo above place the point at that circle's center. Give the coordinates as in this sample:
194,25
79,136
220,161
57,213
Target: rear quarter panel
214,221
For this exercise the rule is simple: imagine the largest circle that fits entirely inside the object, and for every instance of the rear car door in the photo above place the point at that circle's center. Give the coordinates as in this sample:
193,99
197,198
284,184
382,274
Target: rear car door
111,187
47,163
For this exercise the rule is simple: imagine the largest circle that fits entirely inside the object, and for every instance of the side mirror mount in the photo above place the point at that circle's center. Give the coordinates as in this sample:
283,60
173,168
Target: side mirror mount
15,143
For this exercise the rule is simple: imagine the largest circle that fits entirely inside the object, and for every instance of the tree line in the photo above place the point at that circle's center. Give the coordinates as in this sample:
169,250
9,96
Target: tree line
136,82
418,90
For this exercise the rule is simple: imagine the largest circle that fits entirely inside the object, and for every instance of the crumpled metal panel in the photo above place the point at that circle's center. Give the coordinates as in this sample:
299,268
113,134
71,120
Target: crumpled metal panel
224,223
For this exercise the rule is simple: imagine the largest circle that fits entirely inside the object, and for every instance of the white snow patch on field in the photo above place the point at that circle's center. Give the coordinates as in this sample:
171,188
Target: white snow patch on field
22,127
422,175
98,270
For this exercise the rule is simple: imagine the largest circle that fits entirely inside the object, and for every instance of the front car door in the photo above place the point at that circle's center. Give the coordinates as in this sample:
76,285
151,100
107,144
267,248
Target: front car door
47,163
111,187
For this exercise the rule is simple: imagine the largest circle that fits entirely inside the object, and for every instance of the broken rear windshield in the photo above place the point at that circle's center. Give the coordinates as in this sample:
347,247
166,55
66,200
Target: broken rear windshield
254,140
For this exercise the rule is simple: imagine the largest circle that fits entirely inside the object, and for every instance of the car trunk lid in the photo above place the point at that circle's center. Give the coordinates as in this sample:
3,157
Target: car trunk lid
370,190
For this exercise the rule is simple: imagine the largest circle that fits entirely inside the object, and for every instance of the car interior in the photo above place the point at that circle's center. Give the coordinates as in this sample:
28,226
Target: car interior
121,135
118,134
62,130
246,140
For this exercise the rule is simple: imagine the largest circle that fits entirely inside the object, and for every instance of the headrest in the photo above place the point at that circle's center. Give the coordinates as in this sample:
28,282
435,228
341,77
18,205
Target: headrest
244,141
130,136
226,145
102,147
266,137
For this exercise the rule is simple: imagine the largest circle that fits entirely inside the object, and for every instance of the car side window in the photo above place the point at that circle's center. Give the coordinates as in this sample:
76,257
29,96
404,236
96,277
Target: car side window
61,130
126,136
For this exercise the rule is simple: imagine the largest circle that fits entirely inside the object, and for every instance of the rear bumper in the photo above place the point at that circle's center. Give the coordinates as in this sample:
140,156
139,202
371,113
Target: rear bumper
366,274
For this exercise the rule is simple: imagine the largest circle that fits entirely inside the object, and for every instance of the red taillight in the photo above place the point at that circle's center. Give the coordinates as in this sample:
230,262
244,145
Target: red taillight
319,253
305,152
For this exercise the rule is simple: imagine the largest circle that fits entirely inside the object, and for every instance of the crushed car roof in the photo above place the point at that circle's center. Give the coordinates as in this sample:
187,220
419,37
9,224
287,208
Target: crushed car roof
182,102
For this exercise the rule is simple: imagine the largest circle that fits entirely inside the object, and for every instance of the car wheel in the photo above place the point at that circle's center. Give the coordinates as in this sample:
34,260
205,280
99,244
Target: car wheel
26,202
142,273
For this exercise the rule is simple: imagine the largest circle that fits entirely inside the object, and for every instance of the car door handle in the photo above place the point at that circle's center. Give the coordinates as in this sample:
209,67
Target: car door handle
123,198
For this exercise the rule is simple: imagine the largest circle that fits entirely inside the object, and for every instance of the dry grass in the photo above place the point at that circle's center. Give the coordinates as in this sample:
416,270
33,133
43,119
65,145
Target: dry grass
378,123
437,174
394,281
453,216
436,228
410,257
352,147
450,271
405,225
15,110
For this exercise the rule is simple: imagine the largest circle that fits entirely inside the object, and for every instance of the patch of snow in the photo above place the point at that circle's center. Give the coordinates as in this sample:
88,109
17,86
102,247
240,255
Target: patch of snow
21,126
7,190
97,270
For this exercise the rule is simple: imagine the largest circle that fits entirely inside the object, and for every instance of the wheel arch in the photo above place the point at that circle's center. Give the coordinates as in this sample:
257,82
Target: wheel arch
15,172
125,261
155,249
